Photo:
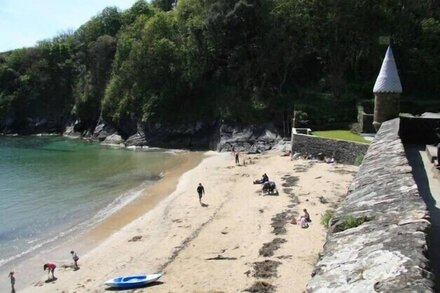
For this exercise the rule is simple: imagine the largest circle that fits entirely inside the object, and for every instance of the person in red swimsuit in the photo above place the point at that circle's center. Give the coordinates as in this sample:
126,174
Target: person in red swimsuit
50,267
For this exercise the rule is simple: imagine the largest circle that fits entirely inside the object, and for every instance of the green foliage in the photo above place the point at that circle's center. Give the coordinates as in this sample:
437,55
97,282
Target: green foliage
248,61
341,134
359,159
327,217
164,5
350,222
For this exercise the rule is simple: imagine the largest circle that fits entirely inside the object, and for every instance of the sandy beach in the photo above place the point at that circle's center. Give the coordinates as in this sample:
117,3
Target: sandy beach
218,247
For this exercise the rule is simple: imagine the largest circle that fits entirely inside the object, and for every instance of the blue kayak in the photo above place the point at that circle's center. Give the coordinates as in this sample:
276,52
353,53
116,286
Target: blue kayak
133,281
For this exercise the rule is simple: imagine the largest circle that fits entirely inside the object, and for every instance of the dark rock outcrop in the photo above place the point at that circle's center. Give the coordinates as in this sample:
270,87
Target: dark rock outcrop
114,139
103,130
377,240
254,139
214,135
137,139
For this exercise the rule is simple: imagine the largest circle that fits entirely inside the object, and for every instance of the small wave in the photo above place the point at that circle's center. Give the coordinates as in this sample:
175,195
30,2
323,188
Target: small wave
117,204
32,241
175,151
4,261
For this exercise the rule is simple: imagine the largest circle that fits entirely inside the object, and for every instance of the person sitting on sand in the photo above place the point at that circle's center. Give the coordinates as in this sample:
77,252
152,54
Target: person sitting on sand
270,187
287,154
50,267
303,220
296,155
330,160
303,223
306,215
263,179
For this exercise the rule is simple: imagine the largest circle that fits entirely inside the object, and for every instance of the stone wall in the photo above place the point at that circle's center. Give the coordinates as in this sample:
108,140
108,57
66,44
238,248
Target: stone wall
365,121
385,250
344,152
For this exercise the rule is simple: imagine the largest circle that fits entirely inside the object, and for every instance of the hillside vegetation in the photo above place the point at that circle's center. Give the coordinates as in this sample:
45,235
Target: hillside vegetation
245,61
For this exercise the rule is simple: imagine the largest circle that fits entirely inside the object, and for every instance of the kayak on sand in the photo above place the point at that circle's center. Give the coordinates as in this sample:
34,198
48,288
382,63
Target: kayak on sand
133,281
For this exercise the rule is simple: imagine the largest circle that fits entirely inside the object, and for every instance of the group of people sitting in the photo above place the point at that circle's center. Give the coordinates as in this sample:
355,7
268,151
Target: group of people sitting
268,186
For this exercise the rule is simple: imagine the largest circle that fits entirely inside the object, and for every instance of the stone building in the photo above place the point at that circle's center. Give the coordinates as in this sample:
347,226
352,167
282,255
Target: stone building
387,90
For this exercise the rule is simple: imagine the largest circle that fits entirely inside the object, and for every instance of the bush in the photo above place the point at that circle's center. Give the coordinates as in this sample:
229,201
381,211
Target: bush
358,160
350,222
327,217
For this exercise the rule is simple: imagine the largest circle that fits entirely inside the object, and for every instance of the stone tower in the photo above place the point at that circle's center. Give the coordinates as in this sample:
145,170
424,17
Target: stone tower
387,90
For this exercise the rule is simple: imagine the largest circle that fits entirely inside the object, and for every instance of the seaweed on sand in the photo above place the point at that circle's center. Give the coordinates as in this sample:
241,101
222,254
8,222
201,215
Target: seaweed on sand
261,287
266,269
269,248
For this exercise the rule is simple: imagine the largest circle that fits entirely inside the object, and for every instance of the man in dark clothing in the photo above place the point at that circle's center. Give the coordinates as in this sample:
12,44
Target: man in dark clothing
200,191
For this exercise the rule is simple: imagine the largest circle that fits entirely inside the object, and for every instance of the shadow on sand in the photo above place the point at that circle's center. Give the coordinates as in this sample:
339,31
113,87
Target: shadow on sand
152,284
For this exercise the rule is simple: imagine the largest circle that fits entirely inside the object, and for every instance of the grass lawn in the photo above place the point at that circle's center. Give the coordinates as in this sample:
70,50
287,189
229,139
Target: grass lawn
341,134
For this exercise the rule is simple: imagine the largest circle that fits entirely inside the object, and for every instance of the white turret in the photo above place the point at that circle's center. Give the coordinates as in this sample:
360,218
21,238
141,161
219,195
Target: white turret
387,90
388,80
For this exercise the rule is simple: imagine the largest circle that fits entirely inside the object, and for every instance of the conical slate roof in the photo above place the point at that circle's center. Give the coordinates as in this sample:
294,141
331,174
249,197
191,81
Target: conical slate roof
388,80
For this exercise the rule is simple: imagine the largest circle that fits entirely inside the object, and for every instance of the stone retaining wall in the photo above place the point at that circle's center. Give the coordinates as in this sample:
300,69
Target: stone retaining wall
344,152
386,251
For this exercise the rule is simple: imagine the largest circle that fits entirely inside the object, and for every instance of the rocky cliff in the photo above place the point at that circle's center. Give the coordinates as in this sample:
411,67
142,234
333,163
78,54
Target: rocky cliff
216,135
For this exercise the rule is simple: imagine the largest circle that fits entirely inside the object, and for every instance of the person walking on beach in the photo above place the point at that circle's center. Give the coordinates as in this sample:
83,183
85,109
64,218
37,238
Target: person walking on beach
200,191
75,260
50,267
237,158
12,278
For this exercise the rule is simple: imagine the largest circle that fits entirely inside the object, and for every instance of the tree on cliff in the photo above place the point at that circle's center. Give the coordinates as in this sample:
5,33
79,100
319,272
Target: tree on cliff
199,60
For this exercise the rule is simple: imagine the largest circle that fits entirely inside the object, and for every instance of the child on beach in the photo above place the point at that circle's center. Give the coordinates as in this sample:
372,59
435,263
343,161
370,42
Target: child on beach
11,276
50,267
75,260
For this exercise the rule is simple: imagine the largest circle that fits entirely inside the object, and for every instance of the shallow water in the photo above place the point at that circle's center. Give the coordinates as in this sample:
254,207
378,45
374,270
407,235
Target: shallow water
53,187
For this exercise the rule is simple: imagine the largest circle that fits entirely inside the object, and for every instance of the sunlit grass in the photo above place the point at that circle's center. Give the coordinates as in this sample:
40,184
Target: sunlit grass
341,134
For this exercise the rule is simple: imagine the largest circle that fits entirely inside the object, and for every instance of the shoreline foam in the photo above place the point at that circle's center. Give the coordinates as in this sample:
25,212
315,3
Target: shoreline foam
91,232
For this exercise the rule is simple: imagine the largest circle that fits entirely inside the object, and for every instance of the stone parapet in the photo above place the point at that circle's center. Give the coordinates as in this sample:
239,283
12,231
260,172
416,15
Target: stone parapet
377,238
345,152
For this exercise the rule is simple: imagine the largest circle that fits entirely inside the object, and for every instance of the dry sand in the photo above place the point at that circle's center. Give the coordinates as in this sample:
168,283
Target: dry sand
214,248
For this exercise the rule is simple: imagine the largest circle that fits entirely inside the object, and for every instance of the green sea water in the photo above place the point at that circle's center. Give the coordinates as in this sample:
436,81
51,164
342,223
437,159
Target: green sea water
53,187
